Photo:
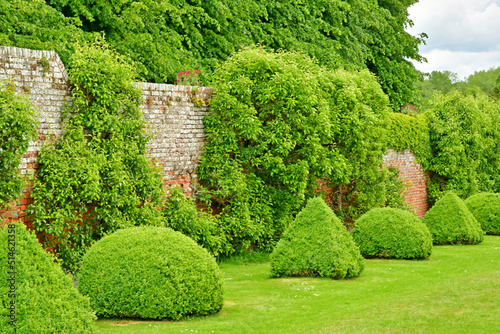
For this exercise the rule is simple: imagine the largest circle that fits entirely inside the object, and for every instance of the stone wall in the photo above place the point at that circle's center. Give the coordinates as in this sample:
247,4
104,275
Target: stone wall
412,173
173,116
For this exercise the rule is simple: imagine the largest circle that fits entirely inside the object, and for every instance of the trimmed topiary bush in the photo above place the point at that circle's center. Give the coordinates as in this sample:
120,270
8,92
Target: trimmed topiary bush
152,273
486,209
450,222
392,233
316,244
35,291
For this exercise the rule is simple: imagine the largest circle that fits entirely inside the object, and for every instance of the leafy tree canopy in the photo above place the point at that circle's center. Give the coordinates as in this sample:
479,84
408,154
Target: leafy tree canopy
481,82
167,37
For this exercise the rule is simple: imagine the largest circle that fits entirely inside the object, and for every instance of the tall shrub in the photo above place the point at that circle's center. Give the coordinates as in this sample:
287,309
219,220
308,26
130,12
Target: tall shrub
96,177
18,125
464,135
278,123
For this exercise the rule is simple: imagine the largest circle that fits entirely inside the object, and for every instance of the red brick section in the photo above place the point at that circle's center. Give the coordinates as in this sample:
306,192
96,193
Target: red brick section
411,172
17,211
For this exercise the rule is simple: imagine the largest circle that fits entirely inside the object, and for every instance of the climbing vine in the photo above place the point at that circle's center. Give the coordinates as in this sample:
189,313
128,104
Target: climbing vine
96,177
18,126
279,122
410,132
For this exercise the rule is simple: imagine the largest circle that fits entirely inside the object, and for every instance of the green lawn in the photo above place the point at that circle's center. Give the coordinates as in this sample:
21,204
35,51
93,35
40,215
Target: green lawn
456,291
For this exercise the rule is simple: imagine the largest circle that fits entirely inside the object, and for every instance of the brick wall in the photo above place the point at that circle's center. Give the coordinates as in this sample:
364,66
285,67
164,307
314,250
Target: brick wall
178,128
40,75
169,110
412,173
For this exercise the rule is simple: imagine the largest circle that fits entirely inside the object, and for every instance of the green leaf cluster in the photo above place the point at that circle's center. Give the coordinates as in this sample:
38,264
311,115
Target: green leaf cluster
316,244
486,209
181,215
451,222
45,300
96,177
464,136
150,273
392,233
33,24
18,125
278,123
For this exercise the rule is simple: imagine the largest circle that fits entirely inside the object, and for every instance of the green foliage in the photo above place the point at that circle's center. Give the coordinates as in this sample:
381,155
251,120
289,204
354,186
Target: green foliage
451,222
165,38
45,299
392,233
485,80
464,134
33,24
181,215
447,82
278,123
96,177
410,132
316,244
150,272
18,126
486,209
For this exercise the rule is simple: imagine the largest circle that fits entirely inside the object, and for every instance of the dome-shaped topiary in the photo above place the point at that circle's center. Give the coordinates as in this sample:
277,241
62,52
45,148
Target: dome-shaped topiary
316,244
152,273
486,209
450,222
35,293
392,233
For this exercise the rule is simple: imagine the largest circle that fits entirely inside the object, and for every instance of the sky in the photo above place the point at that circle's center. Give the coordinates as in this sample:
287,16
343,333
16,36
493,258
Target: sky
463,35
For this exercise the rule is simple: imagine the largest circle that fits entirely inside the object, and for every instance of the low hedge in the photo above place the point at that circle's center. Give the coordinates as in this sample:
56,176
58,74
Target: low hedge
316,244
392,233
150,273
451,222
35,291
486,209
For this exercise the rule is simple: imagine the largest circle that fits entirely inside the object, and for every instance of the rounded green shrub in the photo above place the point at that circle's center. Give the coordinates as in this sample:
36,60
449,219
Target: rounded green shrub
36,296
316,244
152,273
486,209
392,233
450,222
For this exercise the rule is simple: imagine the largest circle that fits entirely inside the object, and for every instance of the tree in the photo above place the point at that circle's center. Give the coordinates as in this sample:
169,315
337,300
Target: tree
168,37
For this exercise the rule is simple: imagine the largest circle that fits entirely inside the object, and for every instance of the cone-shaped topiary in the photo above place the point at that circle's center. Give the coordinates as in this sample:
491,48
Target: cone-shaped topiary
450,222
151,273
392,233
35,293
316,244
486,209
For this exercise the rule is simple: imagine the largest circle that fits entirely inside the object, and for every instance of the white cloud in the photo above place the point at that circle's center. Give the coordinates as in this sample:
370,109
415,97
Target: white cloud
464,35
460,62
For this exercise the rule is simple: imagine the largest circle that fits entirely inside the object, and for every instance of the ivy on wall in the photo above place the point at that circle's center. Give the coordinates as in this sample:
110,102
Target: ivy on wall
410,132
96,177
18,126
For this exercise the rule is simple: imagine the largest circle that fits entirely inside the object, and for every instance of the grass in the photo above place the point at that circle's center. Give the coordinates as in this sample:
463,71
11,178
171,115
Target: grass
457,290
